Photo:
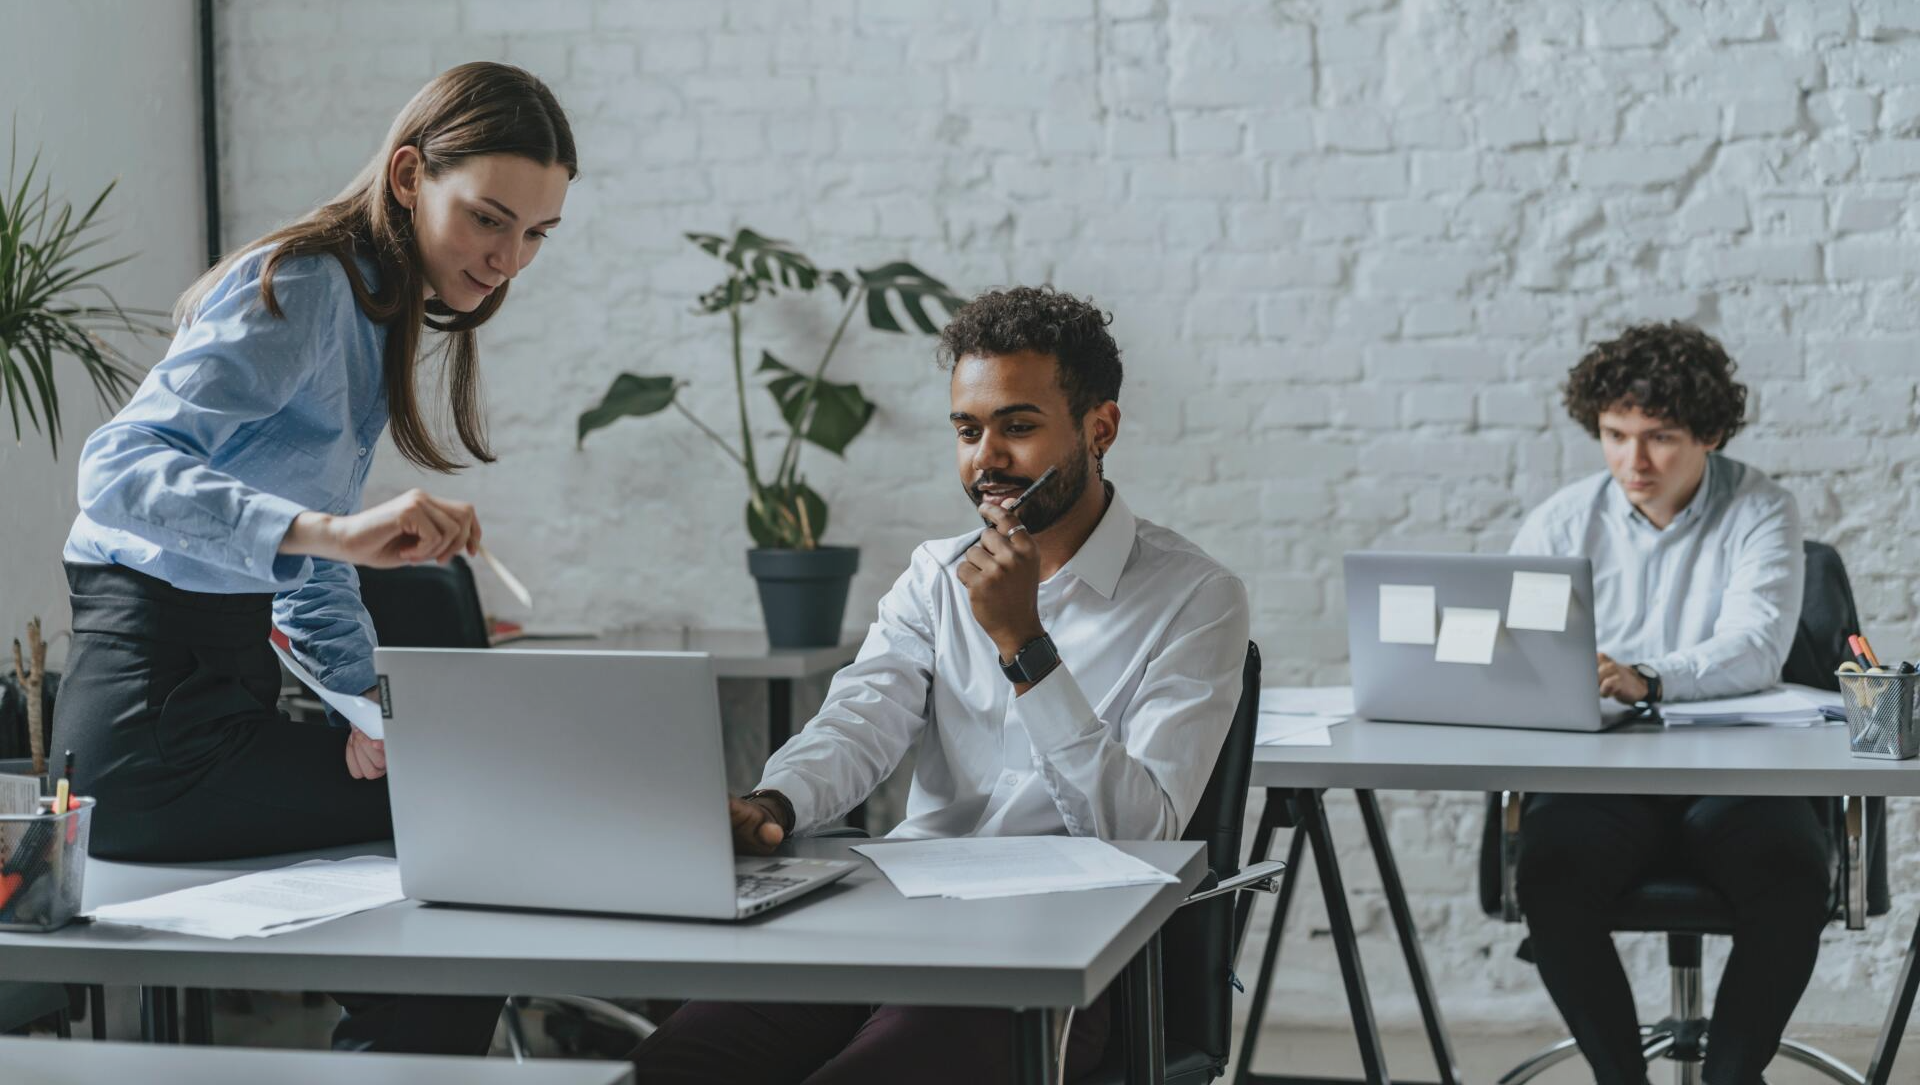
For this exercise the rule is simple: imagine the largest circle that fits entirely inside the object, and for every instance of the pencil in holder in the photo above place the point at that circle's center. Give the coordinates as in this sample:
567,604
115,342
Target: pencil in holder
1880,714
43,862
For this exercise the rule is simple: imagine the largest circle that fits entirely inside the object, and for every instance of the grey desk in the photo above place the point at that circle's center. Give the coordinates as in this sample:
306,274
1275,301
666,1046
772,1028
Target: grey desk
856,941
54,1062
1643,758
736,654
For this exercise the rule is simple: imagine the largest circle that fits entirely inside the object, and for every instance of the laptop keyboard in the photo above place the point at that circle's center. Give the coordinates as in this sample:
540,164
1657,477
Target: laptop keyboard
751,887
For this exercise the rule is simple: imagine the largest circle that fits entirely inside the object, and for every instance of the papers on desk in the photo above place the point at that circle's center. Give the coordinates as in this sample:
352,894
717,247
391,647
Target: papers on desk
974,868
19,795
266,903
1300,715
362,712
1782,706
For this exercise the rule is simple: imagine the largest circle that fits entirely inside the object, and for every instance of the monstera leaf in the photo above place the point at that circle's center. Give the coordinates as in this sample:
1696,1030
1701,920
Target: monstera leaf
629,397
911,286
787,517
762,259
838,411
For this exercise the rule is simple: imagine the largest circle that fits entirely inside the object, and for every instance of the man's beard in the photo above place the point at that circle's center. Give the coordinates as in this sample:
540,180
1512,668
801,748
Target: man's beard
1046,507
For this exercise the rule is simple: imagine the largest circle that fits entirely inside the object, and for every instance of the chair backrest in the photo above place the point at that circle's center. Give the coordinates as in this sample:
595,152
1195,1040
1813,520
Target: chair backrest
425,606
1198,942
1827,617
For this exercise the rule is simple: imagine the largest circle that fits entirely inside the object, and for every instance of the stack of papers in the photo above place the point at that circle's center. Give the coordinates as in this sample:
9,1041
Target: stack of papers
1300,715
1008,866
1783,706
267,903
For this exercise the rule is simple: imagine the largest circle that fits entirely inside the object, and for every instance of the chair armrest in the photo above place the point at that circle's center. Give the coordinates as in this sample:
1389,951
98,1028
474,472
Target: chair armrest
1854,861
1510,802
1257,878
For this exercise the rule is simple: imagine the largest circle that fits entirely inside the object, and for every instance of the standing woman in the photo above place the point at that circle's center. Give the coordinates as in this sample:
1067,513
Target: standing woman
225,497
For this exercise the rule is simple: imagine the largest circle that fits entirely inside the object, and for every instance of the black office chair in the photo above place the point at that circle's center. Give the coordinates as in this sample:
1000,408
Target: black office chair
1685,909
1199,944
425,606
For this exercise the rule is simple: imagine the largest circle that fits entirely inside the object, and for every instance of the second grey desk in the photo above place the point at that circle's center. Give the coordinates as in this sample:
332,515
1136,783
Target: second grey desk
1642,759
856,941
79,1062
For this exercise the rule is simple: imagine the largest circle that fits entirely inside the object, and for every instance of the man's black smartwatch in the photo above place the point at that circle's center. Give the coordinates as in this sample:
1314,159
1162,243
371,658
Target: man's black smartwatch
1653,682
1034,661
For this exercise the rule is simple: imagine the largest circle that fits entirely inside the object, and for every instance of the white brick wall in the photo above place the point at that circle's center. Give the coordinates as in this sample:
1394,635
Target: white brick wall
1351,249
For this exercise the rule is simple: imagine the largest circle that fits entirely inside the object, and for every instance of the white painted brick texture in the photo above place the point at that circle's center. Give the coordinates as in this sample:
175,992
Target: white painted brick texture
1351,248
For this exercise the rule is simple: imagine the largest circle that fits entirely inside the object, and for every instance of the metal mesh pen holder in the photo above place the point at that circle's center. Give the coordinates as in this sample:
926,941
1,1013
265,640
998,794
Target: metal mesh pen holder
1880,716
43,860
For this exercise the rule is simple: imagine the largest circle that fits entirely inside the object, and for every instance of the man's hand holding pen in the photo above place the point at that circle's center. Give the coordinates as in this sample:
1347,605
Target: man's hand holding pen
1002,575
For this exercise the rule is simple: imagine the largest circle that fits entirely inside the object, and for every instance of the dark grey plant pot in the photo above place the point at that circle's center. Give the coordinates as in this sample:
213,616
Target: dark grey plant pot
803,593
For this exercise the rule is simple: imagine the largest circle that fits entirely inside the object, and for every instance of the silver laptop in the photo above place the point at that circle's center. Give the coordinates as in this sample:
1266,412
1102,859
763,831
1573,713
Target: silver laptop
580,781
1537,679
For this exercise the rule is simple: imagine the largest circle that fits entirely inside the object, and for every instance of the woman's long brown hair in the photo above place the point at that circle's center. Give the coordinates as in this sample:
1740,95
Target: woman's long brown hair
468,111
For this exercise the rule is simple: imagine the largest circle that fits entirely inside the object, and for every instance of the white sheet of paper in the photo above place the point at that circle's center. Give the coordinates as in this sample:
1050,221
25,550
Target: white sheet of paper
1539,601
1782,706
19,795
1467,635
362,712
1307,700
1316,736
1406,614
268,902
1274,729
973,868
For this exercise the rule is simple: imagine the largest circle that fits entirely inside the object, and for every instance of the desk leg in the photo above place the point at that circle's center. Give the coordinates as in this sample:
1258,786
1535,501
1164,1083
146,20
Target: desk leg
197,1018
1880,1070
1269,956
1313,820
1146,1025
159,1015
1036,1049
1409,938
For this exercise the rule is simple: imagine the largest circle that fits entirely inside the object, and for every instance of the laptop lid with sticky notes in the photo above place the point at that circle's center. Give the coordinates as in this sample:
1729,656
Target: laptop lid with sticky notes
1491,640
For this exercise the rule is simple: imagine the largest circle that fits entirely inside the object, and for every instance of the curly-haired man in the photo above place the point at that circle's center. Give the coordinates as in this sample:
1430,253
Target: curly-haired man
1697,570
1071,669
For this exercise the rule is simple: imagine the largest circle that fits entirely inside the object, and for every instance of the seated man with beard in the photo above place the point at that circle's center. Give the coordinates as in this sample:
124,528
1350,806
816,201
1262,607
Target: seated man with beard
1073,670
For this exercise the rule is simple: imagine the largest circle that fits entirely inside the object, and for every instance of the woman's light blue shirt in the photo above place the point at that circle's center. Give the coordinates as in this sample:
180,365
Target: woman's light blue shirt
250,420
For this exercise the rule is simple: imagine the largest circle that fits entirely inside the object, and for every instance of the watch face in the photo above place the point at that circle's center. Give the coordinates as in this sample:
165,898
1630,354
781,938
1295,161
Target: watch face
1037,656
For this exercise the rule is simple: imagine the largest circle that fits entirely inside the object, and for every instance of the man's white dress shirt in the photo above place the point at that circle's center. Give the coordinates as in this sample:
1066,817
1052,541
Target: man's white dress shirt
1711,602
1117,742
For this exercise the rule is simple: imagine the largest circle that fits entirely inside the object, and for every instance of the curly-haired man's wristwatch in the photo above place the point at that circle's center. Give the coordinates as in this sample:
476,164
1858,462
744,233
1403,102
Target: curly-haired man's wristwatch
1652,678
773,802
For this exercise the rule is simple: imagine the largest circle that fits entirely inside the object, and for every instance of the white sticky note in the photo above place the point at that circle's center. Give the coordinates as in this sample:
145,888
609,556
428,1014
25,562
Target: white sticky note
1467,635
1539,601
1406,614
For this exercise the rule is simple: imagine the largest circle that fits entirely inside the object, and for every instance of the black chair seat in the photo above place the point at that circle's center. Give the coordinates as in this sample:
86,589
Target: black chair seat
1675,905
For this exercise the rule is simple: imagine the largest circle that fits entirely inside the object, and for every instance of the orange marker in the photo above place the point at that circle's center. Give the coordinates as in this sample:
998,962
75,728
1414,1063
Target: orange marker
1867,650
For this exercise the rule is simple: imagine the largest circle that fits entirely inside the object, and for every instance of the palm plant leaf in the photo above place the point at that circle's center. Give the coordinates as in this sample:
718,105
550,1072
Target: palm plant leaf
41,270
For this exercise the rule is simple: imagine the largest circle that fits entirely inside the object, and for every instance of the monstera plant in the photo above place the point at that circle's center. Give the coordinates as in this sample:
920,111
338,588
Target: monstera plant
786,517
